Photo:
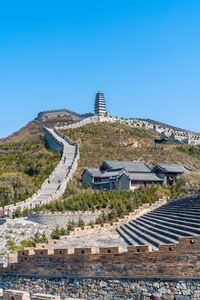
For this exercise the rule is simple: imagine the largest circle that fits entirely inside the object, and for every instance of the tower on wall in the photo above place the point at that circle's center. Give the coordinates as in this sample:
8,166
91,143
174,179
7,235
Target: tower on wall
99,105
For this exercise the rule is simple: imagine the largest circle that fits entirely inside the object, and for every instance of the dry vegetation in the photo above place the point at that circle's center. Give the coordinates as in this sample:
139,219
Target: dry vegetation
189,182
120,142
25,162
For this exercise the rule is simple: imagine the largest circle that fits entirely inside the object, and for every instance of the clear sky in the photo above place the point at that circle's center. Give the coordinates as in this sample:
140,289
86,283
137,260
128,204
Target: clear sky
144,56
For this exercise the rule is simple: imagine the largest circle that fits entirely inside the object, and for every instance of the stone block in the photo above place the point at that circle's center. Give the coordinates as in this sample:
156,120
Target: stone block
110,250
139,249
81,251
63,252
12,257
16,295
186,241
52,242
44,297
95,226
42,252
40,245
168,248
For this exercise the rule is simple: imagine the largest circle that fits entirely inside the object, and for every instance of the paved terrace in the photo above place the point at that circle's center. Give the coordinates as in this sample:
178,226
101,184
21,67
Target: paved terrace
163,225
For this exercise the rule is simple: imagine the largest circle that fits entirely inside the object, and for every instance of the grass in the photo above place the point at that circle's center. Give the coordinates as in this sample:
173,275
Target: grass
102,141
25,162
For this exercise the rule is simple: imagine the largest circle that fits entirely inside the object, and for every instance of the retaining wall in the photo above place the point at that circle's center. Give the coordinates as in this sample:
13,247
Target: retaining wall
62,219
94,289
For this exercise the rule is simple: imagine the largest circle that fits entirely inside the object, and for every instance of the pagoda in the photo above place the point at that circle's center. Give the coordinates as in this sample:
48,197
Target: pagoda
99,105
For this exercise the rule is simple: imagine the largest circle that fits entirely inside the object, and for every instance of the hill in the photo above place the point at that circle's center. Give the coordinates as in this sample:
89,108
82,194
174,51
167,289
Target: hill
115,141
32,131
25,162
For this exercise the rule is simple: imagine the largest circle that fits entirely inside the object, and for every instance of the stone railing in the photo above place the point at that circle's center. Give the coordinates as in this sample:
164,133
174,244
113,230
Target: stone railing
56,141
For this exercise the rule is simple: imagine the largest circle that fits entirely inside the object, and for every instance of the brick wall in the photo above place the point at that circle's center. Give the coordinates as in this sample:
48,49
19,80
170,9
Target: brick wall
171,261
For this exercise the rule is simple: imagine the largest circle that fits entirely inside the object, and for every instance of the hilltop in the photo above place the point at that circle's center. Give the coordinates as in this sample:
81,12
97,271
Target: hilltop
116,141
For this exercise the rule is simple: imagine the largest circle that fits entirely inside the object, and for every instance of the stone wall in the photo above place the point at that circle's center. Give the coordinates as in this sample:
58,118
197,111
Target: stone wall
94,289
179,260
61,219
183,136
56,141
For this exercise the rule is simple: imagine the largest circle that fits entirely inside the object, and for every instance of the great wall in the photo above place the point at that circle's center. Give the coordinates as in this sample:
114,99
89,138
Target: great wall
160,255
55,185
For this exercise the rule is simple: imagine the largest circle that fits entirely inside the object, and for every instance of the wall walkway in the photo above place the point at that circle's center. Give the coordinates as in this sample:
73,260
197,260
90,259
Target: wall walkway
55,185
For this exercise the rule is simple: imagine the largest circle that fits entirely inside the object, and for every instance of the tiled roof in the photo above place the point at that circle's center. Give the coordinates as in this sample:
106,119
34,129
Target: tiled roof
110,173
94,172
172,168
129,166
144,177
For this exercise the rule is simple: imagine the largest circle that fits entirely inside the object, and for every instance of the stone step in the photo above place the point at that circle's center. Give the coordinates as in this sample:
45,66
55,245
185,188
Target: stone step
174,224
178,217
149,239
136,239
168,227
160,237
126,237
174,219
179,213
155,229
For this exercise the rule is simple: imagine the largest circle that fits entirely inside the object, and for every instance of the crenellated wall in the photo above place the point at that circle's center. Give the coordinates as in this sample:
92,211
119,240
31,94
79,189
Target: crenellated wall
179,260
176,134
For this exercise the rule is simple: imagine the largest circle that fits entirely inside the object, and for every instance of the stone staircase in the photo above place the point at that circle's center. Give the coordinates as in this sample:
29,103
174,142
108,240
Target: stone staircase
165,224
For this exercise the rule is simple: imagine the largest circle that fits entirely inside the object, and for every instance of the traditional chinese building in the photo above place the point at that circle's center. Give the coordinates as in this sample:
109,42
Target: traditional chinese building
170,172
129,175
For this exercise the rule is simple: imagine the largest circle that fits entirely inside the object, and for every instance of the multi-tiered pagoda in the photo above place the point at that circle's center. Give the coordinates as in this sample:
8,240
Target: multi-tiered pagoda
99,105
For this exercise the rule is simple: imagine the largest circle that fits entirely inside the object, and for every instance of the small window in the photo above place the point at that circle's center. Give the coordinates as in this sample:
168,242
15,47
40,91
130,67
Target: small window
12,298
54,242
191,241
60,252
43,246
138,250
82,251
23,253
109,251
41,252
170,249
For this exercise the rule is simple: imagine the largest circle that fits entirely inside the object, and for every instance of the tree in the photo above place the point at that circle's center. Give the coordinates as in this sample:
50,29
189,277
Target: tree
80,222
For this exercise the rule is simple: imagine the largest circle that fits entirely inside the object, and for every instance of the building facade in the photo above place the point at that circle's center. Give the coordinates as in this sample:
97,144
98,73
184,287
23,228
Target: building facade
129,175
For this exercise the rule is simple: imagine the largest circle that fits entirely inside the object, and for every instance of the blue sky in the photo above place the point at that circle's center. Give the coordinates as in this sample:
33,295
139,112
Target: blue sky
144,56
